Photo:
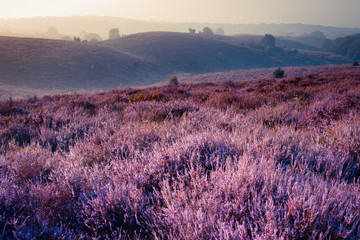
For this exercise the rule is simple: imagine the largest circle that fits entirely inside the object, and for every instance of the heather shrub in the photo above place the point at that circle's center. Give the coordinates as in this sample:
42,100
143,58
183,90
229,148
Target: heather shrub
7,108
118,210
279,73
259,159
30,164
173,81
148,97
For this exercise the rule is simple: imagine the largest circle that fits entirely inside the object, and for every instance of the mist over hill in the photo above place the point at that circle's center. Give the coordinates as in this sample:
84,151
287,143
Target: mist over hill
136,60
80,25
41,63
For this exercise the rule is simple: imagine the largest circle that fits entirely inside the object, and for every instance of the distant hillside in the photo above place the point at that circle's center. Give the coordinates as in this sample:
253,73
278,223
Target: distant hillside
189,52
283,42
134,60
195,53
44,63
348,46
314,39
289,43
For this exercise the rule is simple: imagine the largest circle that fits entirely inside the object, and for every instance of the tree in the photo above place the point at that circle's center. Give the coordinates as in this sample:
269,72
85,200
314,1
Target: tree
192,31
52,31
173,81
268,42
278,73
114,33
92,37
220,31
207,31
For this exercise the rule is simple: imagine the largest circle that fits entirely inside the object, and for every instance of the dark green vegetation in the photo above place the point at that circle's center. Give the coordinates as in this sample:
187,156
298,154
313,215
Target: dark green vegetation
278,73
173,80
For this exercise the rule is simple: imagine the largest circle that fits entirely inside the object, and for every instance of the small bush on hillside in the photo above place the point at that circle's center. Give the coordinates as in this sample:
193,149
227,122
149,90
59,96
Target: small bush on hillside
173,81
355,63
278,73
148,97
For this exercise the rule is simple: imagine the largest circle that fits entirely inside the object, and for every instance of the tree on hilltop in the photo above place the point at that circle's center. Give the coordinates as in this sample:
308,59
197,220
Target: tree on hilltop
220,31
268,43
52,31
207,31
114,33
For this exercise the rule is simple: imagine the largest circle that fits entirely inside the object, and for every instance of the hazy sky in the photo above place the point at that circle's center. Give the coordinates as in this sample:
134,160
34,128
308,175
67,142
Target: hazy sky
323,12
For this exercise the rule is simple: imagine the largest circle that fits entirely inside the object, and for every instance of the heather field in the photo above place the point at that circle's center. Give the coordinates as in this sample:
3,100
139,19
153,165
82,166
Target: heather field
250,159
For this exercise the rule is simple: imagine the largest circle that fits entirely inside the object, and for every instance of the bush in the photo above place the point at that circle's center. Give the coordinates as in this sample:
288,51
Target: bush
173,81
148,97
278,73
355,63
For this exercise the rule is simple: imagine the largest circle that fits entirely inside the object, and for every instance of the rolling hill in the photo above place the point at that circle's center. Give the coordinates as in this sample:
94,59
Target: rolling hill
183,52
348,46
283,42
42,63
133,60
195,53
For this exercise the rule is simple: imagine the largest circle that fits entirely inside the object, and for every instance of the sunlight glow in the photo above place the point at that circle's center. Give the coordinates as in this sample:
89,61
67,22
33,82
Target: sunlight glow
324,12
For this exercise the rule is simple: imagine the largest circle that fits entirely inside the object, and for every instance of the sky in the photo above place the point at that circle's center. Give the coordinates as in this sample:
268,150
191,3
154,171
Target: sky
342,13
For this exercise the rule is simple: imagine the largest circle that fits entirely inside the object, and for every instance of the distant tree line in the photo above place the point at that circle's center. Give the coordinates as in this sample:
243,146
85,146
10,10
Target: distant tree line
94,37
208,31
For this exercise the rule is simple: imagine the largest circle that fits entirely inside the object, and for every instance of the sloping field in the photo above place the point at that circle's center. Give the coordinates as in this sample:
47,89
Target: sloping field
133,60
262,73
41,63
194,53
259,159
184,52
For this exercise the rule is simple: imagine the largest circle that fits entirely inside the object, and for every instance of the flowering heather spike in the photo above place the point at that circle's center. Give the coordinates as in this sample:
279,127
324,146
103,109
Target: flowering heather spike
259,159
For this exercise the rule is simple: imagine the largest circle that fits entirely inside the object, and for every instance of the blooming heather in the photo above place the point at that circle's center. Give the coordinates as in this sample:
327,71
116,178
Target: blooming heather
257,159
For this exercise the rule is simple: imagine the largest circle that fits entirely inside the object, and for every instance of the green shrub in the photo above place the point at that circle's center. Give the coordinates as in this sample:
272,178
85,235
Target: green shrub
355,63
148,97
278,73
173,81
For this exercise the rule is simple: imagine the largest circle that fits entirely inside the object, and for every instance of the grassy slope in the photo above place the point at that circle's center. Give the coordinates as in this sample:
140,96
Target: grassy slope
183,52
41,63
189,53
260,159
280,42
